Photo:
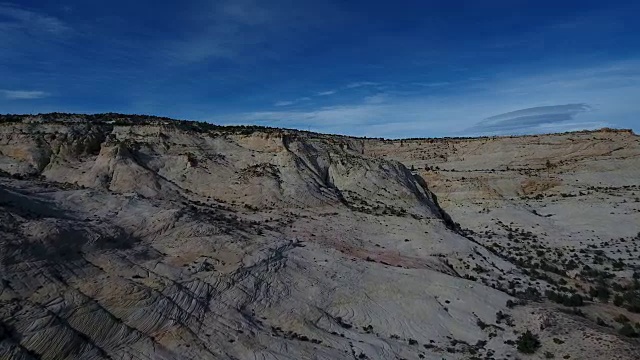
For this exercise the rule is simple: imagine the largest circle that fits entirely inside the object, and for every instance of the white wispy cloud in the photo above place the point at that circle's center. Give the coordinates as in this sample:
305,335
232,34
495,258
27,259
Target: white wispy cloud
243,30
350,86
26,33
433,84
223,30
22,19
292,102
558,100
558,116
23,94
354,85
328,116
326,93
376,99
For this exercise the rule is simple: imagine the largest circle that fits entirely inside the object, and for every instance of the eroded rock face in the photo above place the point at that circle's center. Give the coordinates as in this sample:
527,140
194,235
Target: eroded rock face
166,240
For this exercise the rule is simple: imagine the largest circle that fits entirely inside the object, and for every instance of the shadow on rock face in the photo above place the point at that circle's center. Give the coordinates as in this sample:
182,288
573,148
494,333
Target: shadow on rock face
37,230
30,207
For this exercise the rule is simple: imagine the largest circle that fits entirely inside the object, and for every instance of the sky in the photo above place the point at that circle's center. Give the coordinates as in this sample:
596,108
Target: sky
403,68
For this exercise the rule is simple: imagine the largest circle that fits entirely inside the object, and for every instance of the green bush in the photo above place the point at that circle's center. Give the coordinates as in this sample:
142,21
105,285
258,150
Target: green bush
528,343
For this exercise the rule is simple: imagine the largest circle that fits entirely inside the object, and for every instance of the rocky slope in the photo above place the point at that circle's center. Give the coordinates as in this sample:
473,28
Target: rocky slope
146,238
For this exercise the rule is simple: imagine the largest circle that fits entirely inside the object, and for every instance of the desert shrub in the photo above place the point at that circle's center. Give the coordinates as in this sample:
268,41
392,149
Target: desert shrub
621,319
566,300
571,265
529,293
628,331
3,332
573,300
500,316
528,343
601,292
618,265
618,300
601,322
573,311
634,305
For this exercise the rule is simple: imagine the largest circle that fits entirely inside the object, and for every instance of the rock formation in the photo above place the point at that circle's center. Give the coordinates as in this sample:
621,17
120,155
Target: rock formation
131,237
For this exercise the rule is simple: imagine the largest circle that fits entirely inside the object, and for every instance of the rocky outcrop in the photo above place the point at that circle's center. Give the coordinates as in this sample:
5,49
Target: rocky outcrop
162,161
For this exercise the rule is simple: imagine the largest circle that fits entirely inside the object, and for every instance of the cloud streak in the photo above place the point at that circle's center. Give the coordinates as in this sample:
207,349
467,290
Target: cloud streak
433,84
23,94
524,120
243,30
17,18
29,37
326,93
378,98
284,103
525,104
360,84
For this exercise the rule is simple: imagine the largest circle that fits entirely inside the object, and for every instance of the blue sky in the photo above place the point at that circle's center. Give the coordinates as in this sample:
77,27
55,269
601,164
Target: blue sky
370,68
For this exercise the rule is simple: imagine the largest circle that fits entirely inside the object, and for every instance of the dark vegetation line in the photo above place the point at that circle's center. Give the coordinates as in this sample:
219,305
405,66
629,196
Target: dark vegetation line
201,126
